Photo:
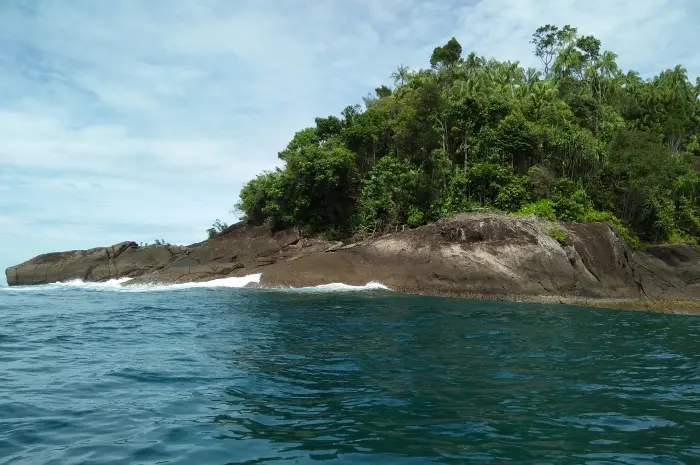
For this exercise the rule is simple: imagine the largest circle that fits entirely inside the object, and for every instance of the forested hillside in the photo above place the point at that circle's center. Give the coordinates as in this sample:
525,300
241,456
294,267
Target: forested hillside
578,139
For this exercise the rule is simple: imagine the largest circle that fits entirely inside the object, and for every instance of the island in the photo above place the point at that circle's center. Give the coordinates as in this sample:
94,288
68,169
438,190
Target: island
576,182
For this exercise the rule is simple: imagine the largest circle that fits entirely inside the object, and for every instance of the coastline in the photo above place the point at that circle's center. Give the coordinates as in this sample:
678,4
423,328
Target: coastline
473,256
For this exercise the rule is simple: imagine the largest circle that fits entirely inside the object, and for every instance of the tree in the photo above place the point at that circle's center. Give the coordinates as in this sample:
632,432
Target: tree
516,142
328,127
446,56
318,188
382,91
580,140
400,76
258,198
305,137
389,195
548,41
643,173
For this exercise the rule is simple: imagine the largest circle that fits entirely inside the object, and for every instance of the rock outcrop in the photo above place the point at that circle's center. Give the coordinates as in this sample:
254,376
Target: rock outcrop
470,255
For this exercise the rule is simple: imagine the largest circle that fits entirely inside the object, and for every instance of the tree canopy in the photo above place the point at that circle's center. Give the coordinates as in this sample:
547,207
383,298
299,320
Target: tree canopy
579,140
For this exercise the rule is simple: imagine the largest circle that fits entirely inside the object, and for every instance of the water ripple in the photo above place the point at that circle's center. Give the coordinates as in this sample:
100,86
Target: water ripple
248,376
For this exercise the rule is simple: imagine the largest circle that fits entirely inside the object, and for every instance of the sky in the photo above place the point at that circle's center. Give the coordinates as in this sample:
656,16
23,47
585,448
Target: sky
141,120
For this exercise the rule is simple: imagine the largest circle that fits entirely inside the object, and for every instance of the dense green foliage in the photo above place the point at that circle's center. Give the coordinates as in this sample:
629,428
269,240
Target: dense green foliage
578,140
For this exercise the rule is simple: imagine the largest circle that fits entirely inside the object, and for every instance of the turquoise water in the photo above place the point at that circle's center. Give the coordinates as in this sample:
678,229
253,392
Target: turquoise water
217,376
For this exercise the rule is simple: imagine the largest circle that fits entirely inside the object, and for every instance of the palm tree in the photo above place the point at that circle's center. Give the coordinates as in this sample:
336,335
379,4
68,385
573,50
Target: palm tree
569,63
607,65
540,94
513,74
532,76
603,75
673,99
476,84
473,64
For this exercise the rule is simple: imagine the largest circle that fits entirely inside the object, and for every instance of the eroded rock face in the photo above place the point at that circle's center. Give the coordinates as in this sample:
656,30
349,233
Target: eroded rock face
126,259
466,255
469,255
238,248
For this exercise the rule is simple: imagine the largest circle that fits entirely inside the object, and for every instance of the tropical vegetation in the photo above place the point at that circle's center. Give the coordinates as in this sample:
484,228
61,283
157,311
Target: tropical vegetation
578,139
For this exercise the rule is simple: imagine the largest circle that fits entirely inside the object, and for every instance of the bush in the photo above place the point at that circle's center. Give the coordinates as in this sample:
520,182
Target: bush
484,186
484,181
543,208
217,227
658,215
319,186
570,201
607,217
678,237
688,217
415,217
558,235
514,195
456,199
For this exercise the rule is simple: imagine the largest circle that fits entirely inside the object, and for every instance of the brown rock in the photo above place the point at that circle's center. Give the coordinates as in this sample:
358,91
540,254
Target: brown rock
468,255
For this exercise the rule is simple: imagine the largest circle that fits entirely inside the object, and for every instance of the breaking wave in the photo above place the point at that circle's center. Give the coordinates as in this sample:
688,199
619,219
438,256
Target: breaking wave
118,285
341,287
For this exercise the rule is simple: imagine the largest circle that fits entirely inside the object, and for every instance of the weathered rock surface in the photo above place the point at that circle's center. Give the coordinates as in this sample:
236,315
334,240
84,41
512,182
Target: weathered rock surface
469,255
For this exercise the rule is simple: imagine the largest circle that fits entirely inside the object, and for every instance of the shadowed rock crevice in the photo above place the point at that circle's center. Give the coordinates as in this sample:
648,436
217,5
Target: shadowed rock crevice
468,255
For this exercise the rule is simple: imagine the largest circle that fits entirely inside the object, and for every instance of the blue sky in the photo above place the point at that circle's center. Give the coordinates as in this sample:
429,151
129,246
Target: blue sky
137,120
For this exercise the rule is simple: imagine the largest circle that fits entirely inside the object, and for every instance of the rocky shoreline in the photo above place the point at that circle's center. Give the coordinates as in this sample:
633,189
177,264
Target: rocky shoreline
473,256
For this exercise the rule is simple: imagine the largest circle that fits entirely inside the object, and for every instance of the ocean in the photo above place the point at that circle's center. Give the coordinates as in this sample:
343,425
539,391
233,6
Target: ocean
218,374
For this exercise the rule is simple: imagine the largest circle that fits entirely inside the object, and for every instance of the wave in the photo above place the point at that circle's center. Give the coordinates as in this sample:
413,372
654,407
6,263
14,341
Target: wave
233,282
118,285
340,287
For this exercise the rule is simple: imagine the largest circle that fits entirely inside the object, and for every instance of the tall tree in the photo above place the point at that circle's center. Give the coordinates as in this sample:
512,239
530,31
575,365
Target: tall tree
446,56
548,41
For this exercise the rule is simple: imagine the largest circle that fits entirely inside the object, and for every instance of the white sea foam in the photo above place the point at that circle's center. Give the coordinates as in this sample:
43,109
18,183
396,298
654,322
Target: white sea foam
117,285
233,282
111,284
341,287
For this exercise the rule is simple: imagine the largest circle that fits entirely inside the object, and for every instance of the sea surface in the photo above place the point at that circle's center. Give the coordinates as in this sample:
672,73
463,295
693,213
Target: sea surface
94,374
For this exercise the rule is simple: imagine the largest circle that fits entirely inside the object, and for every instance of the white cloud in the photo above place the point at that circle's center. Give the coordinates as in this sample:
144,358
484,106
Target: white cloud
648,35
136,119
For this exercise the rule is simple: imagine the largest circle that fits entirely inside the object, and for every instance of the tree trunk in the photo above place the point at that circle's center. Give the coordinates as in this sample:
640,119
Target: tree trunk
466,151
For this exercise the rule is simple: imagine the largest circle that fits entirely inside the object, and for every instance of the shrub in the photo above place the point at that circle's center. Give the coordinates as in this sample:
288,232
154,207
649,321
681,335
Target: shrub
484,186
678,237
558,235
659,218
614,221
217,227
571,202
415,217
543,208
514,195
688,217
